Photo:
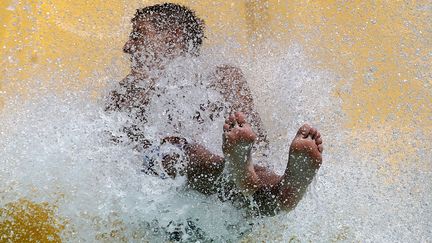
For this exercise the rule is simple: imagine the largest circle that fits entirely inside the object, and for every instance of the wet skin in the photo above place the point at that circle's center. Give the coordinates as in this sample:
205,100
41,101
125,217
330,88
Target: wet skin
150,49
270,191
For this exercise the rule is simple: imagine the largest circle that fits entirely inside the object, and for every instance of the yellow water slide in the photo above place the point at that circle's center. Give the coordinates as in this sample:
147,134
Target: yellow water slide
381,52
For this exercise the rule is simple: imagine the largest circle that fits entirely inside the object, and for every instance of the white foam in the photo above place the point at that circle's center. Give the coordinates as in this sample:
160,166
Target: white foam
55,144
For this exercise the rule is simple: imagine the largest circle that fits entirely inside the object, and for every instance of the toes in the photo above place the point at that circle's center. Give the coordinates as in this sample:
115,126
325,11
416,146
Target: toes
230,121
227,121
304,130
240,118
313,132
237,119
307,130
226,127
318,141
320,148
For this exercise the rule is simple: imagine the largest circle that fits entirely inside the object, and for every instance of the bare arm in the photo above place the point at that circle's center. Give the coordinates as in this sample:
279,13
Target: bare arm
231,82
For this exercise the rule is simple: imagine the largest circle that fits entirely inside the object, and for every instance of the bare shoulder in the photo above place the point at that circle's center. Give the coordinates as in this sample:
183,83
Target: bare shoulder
228,69
228,78
229,73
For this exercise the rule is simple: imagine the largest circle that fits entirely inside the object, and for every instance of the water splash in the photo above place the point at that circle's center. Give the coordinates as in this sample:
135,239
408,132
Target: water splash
55,145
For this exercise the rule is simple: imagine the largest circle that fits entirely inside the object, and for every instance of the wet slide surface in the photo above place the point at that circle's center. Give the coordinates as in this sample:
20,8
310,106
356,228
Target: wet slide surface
360,71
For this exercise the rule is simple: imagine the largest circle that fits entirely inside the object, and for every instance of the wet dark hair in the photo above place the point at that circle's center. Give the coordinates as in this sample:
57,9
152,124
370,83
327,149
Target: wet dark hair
169,16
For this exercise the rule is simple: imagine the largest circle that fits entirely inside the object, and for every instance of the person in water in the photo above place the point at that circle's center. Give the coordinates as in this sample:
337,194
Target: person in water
163,32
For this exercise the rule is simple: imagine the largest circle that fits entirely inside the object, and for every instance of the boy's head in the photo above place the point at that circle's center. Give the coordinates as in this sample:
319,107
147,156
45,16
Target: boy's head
163,31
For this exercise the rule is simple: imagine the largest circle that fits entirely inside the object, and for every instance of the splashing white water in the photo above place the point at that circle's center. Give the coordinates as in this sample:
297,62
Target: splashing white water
52,145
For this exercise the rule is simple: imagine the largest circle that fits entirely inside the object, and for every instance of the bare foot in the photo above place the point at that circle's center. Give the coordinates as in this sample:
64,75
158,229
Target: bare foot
238,139
305,159
307,145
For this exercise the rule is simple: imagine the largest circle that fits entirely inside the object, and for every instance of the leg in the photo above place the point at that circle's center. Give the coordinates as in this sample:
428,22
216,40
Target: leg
271,192
258,181
203,169
305,159
238,139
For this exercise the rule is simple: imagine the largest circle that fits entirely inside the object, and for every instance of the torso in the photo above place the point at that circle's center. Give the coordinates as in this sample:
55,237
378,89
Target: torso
195,109
192,105
192,110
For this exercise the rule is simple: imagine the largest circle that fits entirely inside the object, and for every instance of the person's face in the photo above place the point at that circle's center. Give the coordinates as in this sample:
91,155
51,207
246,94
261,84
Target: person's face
148,46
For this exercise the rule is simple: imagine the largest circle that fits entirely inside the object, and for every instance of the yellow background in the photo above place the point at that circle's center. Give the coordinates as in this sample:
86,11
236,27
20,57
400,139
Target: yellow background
381,50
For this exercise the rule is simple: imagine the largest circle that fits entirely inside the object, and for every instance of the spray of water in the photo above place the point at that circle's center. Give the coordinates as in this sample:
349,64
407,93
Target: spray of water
55,149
